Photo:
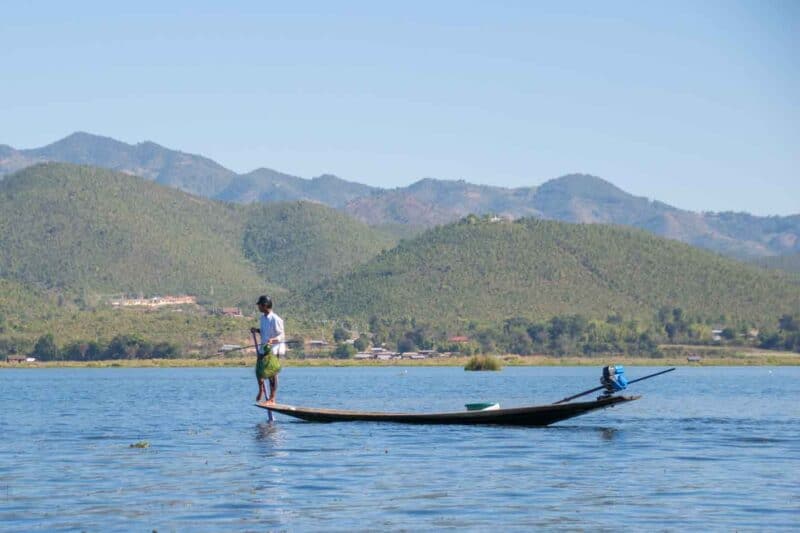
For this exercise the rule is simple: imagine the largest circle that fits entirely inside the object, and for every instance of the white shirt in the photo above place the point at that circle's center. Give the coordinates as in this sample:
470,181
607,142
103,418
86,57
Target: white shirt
271,327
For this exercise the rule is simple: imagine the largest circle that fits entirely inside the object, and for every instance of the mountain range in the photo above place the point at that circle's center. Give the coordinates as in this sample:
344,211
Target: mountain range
576,198
79,234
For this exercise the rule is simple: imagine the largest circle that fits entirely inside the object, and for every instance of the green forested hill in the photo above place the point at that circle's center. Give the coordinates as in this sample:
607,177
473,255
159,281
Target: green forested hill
72,235
22,304
788,263
84,228
300,244
481,271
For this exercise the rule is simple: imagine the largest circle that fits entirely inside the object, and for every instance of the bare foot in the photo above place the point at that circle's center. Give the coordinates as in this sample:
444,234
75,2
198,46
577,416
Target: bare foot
270,401
258,398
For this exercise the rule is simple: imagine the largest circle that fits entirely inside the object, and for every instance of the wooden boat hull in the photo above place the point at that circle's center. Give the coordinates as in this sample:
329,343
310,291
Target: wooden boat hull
540,415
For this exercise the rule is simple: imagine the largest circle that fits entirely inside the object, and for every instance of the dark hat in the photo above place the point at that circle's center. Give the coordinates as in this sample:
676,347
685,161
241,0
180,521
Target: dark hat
264,300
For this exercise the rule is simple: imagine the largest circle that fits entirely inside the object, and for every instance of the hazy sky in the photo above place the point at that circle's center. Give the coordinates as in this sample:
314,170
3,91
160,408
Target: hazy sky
696,104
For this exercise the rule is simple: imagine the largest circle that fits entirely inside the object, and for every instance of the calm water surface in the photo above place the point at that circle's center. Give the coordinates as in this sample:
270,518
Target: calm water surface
705,449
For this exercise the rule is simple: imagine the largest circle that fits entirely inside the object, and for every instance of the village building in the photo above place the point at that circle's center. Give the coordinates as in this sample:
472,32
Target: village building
317,344
155,301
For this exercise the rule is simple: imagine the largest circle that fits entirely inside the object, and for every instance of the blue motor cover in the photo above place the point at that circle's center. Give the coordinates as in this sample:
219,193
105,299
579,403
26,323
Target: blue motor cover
613,378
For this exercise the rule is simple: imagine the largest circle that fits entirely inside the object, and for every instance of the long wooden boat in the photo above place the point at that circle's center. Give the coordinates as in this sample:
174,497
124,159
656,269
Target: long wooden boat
539,415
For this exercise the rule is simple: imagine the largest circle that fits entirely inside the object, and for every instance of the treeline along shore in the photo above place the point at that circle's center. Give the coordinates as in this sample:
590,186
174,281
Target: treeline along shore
671,336
718,358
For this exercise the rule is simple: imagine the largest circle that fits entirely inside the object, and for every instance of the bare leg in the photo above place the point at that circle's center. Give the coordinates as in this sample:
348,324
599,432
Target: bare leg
273,389
262,391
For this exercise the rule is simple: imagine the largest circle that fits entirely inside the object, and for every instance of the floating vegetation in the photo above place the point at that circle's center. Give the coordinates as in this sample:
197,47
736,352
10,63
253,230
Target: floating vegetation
140,444
483,362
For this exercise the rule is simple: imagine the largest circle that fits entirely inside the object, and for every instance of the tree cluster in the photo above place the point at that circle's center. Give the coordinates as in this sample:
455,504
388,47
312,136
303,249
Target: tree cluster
786,337
120,347
576,334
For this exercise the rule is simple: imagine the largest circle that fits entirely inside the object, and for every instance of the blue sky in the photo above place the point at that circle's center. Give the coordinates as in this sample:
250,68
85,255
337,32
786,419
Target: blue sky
692,103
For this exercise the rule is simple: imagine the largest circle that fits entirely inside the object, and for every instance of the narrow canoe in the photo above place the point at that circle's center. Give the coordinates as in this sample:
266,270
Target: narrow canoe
539,415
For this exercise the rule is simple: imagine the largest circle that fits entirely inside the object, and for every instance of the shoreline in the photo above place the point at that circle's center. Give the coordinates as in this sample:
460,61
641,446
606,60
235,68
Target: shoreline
738,359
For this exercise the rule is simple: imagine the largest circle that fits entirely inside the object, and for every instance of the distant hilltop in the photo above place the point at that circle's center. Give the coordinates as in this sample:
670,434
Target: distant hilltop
577,198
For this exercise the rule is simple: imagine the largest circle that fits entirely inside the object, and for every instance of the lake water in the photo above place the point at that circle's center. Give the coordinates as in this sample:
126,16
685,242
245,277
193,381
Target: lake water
704,449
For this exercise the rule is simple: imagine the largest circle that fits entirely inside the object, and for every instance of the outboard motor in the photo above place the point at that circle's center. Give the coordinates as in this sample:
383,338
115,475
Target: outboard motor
613,379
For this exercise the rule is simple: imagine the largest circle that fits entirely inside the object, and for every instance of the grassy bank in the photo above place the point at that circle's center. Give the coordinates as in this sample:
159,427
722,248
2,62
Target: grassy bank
740,358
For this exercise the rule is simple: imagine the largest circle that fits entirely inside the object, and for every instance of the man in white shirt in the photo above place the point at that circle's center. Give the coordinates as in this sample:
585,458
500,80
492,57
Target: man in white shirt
273,345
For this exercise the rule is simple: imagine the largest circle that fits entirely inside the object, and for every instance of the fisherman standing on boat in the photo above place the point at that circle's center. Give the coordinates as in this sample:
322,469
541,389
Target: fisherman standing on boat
272,346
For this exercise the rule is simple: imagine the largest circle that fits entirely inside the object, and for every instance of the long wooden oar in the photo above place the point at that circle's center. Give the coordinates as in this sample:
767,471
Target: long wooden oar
289,343
568,398
255,343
